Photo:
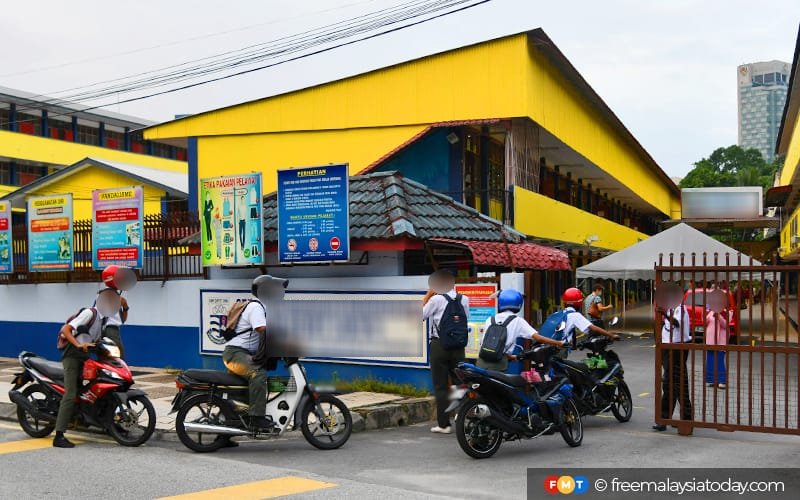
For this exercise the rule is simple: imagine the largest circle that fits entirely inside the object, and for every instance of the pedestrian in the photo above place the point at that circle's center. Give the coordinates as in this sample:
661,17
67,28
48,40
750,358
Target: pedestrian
443,361
676,329
81,333
509,303
593,306
716,334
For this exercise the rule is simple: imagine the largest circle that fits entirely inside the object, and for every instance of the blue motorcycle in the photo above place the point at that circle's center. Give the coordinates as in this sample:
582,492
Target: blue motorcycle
493,407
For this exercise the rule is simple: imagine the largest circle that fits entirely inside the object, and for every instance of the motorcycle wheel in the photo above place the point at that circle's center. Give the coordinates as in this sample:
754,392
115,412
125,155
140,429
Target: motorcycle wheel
133,422
623,404
201,409
478,438
32,426
334,430
571,425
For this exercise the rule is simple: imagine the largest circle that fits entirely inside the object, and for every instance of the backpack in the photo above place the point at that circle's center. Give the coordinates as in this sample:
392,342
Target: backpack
493,347
453,326
551,324
233,317
61,341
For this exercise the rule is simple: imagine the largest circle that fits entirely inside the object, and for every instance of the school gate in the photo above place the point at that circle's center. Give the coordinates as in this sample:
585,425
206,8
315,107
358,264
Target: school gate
761,364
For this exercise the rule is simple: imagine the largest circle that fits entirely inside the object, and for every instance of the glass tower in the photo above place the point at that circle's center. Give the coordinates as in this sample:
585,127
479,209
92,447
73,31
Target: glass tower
762,96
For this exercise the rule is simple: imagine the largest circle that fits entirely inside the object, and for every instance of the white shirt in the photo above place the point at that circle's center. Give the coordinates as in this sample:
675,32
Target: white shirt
254,316
575,321
434,310
672,334
95,330
517,328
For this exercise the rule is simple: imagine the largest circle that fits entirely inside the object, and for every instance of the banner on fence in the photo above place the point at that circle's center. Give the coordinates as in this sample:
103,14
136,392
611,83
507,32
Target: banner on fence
314,214
482,306
117,227
232,228
6,243
50,233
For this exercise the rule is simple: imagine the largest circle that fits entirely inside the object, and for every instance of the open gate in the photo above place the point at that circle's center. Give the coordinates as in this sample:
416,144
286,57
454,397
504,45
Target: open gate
761,358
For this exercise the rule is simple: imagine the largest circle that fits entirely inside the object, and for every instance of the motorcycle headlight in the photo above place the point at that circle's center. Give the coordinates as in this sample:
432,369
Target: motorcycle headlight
109,373
112,350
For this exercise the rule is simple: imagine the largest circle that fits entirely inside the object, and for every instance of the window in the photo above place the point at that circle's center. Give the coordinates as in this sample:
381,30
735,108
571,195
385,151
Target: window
29,124
758,79
161,150
115,140
769,78
5,119
29,173
5,172
59,129
88,135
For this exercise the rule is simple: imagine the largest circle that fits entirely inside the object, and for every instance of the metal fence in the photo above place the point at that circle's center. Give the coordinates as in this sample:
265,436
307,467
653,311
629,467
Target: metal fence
757,390
164,257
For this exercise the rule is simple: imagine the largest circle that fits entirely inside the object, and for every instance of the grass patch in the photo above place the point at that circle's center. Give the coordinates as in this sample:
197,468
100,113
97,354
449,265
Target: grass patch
372,384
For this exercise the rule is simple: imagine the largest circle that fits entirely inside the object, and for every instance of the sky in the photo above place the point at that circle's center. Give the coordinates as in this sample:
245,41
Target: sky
667,69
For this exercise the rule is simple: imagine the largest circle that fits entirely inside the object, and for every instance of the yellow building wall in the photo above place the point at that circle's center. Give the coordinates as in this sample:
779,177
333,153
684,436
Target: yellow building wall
542,217
792,162
267,153
42,149
82,183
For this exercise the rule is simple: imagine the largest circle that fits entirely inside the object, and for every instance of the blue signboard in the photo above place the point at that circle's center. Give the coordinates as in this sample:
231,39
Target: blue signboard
117,227
314,214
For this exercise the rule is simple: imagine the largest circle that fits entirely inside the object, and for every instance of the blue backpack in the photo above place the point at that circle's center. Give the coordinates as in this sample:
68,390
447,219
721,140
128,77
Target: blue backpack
550,326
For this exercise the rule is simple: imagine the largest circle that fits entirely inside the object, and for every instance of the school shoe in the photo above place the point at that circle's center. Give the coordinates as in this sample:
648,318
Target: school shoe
659,427
442,430
261,422
61,441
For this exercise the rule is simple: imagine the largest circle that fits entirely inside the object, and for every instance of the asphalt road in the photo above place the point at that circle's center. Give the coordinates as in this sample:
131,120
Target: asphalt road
408,462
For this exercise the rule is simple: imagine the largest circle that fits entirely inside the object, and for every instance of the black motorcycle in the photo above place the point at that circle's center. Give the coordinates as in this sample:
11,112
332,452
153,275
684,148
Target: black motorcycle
493,407
598,383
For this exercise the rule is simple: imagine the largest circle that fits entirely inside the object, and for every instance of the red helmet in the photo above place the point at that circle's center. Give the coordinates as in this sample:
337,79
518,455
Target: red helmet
108,276
572,297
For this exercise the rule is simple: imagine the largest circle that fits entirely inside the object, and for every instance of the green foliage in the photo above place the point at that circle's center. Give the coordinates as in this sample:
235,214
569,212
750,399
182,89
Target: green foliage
732,166
371,384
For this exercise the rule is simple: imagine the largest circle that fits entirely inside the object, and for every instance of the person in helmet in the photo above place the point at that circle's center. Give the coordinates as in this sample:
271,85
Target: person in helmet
576,321
114,277
509,303
239,351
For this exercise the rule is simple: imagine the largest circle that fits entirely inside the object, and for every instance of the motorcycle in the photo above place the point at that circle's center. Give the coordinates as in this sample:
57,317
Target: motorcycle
492,407
105,399
598,384
212,407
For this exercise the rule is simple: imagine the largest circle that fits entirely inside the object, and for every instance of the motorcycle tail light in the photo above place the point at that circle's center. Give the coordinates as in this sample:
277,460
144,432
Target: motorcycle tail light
471,395
179,384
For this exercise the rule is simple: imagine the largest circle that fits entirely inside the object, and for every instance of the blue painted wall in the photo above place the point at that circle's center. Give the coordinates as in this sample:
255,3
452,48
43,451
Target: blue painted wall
427,161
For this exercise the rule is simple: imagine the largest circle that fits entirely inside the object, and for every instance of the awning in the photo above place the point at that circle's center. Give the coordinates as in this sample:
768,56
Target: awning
777,196
523,255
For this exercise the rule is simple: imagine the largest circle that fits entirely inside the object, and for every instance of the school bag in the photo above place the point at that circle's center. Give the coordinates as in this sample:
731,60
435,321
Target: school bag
233,317
453,326
550,326
61,341
493,347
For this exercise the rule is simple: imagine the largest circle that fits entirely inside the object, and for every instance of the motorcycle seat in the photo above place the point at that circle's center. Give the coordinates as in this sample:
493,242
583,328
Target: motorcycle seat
580,367
512,380
52,369
215,377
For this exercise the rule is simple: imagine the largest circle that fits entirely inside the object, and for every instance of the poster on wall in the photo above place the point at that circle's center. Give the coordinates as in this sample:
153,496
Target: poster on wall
482,306
50,233
231,226
314,214
6,246
214,306
117,227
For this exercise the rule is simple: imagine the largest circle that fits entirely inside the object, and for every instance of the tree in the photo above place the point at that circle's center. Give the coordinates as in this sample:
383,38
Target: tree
732,166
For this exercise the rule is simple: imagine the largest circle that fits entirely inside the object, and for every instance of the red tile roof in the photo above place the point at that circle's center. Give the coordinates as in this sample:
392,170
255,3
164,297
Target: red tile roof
525,255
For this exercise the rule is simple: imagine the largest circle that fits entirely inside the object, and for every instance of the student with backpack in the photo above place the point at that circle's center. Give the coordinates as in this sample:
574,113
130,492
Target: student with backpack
448,313
502,331
78,334
573,320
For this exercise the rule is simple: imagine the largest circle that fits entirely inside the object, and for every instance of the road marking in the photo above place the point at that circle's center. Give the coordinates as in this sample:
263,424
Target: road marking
28,445
271,488
70,435
644,394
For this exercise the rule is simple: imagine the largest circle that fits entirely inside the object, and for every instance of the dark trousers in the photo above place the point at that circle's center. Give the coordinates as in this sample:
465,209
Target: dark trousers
240,362
675,384
598,322
207,218
442,365
242,232
72,359
112,332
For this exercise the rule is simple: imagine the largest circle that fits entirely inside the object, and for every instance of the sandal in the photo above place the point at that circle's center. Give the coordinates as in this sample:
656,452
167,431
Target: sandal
722,386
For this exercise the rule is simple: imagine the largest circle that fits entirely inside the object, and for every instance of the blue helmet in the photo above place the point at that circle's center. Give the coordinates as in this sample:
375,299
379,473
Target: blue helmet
509,300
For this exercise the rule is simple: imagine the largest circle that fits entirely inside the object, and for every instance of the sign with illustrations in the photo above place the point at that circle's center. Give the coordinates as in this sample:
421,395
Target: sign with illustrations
50,233
6,246
482,306
117,227
314,214
231,226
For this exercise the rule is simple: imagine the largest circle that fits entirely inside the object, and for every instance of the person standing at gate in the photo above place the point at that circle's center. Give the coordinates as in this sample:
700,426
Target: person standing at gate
443,357
716,334
593,306
676,329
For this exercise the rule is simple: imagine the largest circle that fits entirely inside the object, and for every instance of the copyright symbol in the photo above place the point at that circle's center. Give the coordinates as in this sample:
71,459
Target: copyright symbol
600,485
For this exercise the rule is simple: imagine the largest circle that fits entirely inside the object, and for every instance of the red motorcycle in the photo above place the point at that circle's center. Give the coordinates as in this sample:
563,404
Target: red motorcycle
105,399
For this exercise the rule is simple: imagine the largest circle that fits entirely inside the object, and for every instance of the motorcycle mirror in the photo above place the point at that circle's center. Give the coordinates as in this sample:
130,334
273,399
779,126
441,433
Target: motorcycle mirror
613,321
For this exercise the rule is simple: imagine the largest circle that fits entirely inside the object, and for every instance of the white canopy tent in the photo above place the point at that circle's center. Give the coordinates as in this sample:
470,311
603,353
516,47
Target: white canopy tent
638,261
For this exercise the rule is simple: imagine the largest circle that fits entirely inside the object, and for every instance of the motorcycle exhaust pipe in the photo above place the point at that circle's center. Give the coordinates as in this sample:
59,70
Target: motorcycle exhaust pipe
214,429
498,420
18,399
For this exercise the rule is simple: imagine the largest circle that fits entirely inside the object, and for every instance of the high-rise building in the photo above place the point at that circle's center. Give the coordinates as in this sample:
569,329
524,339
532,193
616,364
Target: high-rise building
762,95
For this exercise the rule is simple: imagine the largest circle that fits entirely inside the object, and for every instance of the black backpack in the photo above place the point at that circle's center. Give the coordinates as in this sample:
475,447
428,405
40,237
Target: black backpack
493,347
453,326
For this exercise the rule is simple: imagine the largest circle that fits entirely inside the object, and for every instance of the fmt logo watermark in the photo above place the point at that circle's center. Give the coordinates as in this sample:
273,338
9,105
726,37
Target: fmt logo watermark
566,485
